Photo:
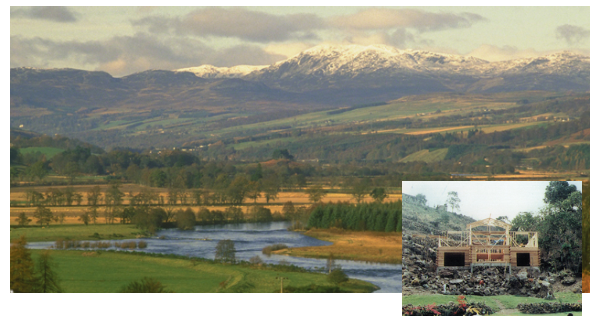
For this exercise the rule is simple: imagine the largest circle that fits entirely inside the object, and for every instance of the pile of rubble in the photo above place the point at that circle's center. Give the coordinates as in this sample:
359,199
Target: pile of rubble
419,274
447,309
548,308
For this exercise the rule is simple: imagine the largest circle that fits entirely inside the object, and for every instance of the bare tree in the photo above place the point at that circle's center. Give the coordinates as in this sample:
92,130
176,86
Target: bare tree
453,201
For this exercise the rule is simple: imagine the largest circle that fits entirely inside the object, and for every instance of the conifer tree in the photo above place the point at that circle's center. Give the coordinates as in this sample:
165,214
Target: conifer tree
392,222
22,277
48,281
380,221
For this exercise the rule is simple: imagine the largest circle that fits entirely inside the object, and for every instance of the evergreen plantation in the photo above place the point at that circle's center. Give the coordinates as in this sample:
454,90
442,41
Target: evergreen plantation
382,217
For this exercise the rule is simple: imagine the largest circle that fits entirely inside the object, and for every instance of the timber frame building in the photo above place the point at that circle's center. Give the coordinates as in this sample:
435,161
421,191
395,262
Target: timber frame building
483,244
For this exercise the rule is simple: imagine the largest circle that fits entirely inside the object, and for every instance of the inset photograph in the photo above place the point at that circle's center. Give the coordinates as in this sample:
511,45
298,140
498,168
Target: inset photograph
482,247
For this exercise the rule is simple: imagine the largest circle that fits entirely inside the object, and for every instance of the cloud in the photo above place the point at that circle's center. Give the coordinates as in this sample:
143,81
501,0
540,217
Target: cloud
147,9
288,49
251,37
56,14
397,27
237,23
572,34
123,55
402,28
421,21
244,55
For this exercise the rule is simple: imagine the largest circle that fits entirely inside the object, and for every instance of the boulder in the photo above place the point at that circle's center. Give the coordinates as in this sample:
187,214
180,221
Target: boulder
568,281
421,263
522,275
447,274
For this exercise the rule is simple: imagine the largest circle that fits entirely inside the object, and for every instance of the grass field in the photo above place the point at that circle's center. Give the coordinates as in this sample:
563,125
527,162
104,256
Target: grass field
107,272
49,152
426,155
352,245
439,130
501,304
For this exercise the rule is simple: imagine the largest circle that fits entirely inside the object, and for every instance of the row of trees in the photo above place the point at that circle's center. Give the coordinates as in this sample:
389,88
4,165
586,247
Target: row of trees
383,217
152,219
236,193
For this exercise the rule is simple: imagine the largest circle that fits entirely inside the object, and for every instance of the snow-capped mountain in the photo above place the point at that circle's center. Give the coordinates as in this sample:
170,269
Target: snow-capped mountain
385,67
357,59
563,63
352,66
209,71
321,76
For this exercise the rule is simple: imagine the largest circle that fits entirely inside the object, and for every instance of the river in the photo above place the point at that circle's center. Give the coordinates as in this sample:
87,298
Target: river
251,238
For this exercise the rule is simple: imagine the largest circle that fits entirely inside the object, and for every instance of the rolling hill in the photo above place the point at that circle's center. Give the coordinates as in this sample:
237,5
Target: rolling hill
418,218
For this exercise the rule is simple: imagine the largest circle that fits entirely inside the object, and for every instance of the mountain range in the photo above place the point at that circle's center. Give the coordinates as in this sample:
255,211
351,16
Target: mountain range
321,77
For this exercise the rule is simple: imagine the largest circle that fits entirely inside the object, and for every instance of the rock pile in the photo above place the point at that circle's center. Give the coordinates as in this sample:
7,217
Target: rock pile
566,277
419,273
447,309
548,308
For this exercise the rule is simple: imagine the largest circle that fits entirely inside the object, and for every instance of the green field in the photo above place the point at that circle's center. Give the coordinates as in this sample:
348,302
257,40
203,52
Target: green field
272,142
75,232
49,152
505,303
426,155
107,272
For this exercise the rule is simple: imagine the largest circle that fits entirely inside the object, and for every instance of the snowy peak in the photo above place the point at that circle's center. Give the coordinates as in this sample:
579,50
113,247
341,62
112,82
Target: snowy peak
209,71
356,60
562,62
374,52
406,71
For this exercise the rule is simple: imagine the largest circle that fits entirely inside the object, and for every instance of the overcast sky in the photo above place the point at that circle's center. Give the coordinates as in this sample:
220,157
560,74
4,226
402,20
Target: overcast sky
125,40
479,199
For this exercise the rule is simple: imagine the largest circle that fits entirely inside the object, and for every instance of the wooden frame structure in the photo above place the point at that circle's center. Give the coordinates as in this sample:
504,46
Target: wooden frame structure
488,242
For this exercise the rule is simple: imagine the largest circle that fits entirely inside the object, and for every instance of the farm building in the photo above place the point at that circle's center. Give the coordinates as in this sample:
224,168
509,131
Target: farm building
488,242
